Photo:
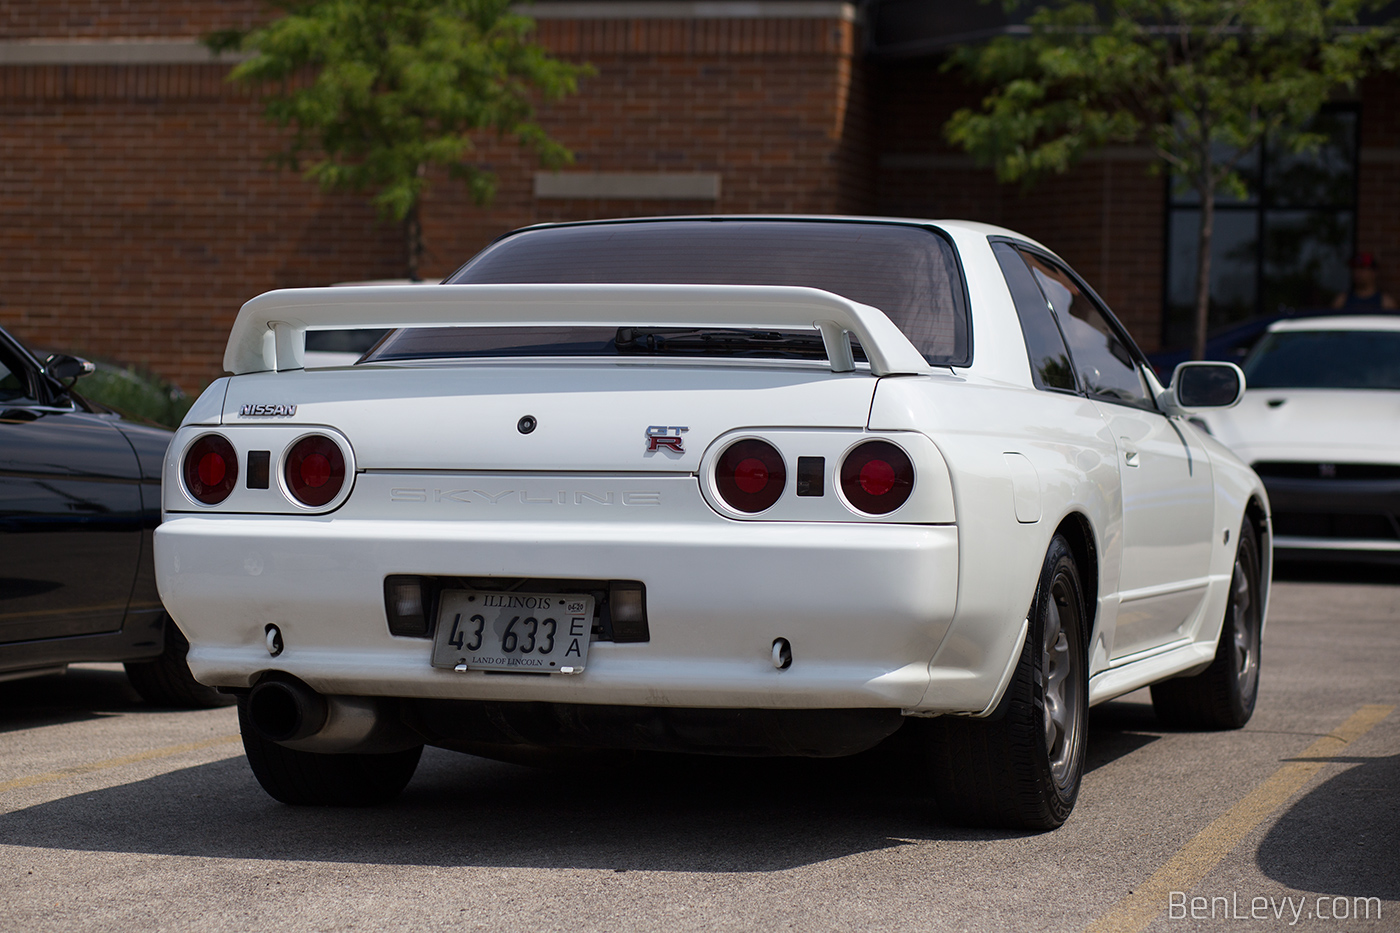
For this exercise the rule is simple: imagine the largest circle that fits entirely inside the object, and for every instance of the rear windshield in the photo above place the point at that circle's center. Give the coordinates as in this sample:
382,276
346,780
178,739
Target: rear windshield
1325,359
909,272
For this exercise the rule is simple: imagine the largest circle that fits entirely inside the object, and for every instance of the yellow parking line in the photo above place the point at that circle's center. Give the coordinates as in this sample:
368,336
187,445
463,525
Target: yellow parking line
1194,860
115,762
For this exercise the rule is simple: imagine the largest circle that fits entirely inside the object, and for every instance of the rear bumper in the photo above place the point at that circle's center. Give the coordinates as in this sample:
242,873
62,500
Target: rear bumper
864,606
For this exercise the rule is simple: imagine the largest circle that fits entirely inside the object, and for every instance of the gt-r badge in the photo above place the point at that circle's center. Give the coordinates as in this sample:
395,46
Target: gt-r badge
274,411
664,437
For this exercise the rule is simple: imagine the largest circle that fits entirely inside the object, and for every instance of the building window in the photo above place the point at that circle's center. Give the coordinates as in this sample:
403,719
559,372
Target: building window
1284,246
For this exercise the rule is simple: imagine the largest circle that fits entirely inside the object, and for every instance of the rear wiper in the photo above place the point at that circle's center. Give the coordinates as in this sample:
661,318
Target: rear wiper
720,341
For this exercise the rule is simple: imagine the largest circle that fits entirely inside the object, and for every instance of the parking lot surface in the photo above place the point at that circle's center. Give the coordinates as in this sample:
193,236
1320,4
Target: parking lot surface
117,816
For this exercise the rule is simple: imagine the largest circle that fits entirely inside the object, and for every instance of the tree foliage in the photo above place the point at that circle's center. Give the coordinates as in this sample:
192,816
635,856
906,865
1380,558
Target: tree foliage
1202,82
378,91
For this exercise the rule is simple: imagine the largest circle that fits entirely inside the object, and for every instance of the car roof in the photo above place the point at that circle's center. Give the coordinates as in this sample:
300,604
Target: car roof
386,282
968,226
1388,322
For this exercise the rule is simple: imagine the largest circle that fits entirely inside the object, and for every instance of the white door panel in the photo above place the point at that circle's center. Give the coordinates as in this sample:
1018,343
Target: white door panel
1168,517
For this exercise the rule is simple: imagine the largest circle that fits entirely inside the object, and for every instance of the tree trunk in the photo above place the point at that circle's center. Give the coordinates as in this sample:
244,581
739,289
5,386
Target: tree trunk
413,241
1207,191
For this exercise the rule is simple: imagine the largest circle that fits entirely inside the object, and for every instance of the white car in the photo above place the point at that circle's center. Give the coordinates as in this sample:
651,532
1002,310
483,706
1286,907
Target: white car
717,485
1319,426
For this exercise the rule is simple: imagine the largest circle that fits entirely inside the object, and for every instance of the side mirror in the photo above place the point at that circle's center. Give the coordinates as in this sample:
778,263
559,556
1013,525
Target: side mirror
67,369
1202,384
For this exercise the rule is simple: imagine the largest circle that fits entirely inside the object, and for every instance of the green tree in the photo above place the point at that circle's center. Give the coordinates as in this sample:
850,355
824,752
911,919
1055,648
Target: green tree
378,91
1203,82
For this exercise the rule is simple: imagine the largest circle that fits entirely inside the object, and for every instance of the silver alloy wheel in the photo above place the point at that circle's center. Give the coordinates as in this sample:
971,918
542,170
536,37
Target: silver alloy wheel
1064,707
1222,696
1243,614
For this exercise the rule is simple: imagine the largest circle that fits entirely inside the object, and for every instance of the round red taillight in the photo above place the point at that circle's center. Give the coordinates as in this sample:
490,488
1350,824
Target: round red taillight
211,469
750,475
315,470
877,477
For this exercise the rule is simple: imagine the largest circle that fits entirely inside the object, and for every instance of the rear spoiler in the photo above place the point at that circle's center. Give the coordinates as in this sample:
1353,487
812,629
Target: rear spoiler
270,332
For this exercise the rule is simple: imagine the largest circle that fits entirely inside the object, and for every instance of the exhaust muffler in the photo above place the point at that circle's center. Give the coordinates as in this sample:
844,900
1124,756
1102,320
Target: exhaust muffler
284,710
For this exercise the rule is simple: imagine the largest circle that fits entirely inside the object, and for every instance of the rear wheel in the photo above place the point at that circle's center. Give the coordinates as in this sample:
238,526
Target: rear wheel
166,680
315,779
1021,767
1223,695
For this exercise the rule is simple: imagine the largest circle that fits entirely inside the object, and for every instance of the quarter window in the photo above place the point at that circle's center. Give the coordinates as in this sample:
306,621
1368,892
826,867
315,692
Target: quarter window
1103,360
1050,363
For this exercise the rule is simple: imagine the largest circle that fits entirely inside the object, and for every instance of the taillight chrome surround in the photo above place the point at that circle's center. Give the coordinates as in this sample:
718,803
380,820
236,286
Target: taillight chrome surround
929,498
279,495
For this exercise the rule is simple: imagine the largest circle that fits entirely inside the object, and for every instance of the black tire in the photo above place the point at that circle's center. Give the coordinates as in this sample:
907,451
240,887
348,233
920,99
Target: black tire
1021,767
1223,695
321,780
166,680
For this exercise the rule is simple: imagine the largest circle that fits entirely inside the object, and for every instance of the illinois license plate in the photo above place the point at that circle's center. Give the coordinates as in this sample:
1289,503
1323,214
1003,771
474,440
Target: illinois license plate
527,633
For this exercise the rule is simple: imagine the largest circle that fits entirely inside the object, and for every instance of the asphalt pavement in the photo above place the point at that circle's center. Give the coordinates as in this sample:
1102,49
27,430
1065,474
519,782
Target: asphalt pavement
118,816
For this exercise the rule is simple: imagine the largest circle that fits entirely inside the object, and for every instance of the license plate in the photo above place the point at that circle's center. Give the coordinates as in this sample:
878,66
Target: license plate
527,633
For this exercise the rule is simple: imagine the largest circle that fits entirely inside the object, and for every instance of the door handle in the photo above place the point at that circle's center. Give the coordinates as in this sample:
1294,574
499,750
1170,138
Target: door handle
1130,453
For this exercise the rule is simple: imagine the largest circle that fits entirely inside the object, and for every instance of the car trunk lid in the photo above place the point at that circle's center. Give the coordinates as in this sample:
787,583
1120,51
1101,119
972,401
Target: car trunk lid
579,416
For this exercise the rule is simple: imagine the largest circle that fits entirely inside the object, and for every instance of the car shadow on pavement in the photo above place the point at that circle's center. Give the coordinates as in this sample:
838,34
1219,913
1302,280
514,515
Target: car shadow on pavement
695,814
1340,838
1118,728
619,811
81,695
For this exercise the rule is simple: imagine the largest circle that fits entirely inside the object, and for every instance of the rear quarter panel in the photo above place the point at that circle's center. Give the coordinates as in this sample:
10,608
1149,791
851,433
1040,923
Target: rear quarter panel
975,425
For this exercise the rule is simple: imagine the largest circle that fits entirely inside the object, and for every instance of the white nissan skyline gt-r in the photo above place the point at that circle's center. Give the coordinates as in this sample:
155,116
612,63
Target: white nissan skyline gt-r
746,486
1318,426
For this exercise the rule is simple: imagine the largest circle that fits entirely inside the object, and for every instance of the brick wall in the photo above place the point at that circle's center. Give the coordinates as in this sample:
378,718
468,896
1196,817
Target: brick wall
104,19
138,211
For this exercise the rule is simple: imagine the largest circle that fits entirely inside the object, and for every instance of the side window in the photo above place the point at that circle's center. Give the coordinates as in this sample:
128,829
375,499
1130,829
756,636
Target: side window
14,380
1050,365
1105,364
